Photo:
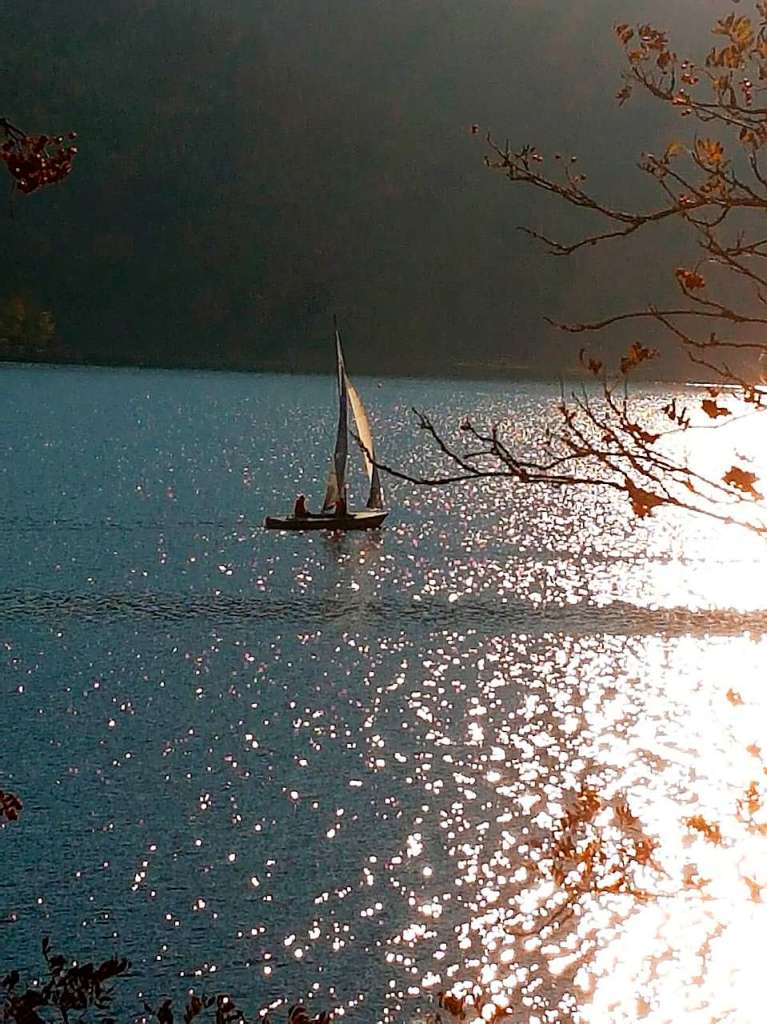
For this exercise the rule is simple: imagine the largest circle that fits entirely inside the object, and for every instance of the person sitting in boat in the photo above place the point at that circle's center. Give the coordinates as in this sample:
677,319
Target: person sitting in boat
300,511
340,506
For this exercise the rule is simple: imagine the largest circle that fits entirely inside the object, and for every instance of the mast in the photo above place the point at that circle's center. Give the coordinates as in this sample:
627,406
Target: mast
337,476
349,396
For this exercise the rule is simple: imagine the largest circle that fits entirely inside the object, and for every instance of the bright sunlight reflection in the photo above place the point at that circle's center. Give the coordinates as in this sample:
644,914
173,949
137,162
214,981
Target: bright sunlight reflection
636,892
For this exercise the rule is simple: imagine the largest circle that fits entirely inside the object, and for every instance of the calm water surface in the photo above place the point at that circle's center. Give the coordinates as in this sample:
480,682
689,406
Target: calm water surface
288,766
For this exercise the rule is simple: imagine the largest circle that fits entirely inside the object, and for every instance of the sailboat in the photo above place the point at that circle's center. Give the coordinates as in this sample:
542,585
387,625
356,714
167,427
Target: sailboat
373,514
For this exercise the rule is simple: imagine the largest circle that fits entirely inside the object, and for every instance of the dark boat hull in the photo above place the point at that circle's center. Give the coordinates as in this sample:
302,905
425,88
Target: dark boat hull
370,519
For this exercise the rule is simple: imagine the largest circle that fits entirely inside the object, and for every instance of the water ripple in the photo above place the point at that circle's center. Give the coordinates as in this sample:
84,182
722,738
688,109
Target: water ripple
483,617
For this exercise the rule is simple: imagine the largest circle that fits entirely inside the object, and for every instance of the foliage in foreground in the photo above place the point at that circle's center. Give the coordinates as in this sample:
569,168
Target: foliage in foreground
713,186
596,856
10,806
84,990
35,161
69,989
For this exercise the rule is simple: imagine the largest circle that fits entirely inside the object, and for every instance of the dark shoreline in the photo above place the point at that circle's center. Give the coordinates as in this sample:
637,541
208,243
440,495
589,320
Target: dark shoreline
460,373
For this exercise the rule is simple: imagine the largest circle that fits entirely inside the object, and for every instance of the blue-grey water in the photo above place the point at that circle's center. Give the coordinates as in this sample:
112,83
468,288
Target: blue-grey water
290,766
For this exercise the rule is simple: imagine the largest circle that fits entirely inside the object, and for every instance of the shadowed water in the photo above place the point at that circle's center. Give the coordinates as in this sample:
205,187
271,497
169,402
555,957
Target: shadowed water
314,766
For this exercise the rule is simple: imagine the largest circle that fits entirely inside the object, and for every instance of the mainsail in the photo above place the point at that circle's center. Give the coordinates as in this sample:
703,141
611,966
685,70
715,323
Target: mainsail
348,395
375,498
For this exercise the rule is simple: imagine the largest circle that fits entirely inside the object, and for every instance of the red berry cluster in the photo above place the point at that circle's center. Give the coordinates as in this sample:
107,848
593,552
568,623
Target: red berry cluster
37,160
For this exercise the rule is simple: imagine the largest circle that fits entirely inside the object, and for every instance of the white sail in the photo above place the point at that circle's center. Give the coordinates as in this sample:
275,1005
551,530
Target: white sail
333,517
337,476
364,433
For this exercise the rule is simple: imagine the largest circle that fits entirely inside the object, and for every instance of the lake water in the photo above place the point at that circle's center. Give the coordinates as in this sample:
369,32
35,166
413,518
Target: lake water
303,766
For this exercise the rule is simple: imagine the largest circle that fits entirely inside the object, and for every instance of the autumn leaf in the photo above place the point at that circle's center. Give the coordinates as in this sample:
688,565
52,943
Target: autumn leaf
752,802
652,38
710,408
452,1004
723,25
10,806
692,879
749,807
689,280
755,890
642,501
673,149
728,57
742,480
624,816
740,30
677,416
637,354
592,365
710,152
750,138
712,833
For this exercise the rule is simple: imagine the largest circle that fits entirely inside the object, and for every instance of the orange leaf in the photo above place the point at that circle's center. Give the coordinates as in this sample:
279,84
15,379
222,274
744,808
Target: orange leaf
752,802
740,30
642,502
754,889
710,408
710,152
593,365
624,815
689,280
637,354
712,833
742,480
673,149
692,879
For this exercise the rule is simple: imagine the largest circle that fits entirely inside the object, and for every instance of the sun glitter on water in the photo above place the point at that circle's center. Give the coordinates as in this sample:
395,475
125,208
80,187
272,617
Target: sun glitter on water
679,730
